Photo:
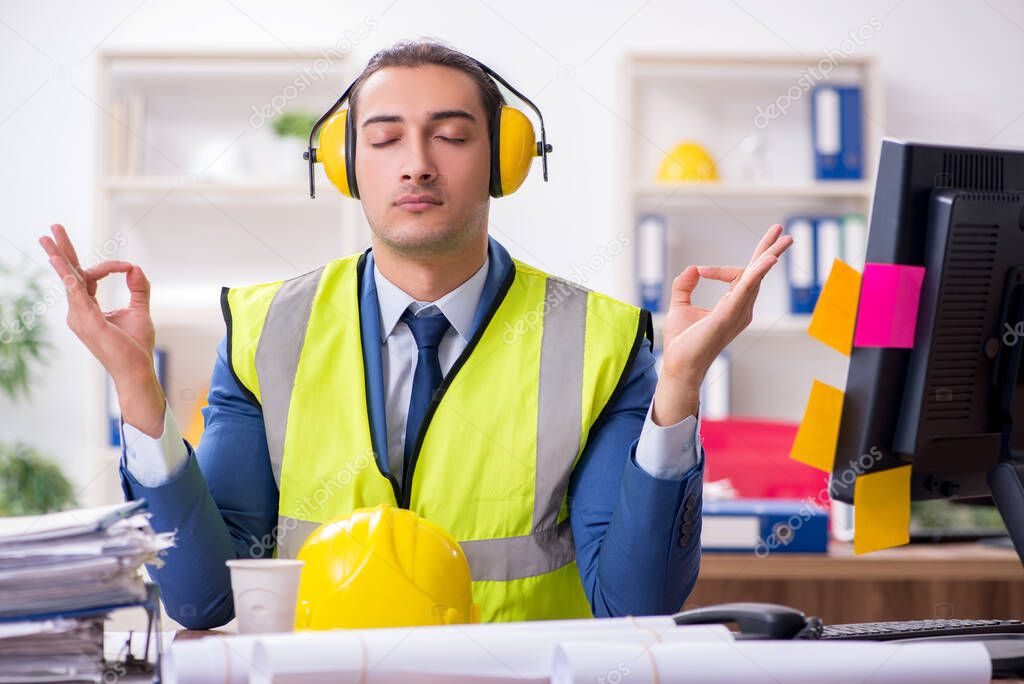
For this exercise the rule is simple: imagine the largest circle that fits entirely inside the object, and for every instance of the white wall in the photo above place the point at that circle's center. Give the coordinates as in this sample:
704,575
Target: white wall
951,69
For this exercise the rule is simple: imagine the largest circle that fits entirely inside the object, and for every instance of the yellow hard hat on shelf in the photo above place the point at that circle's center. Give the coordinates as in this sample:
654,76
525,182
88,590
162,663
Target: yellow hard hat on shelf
688,163
383,567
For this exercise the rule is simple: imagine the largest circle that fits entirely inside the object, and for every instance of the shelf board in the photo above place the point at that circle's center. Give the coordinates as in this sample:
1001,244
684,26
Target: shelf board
188,184
657,68
788,324
736,59
181,306
674,194
186,316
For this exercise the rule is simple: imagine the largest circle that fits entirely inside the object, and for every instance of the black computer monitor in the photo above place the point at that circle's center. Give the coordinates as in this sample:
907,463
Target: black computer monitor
948,405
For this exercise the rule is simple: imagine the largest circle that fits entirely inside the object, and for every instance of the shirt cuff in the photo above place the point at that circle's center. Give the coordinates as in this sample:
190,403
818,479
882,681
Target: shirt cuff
668,452
154,461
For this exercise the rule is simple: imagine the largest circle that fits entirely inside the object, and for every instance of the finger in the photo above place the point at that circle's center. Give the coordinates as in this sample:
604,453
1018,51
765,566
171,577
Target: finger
780,246
97,273
752,277
73,284
84,315
65,245
767,241
106,268
726,274
138,286
683,286
49,246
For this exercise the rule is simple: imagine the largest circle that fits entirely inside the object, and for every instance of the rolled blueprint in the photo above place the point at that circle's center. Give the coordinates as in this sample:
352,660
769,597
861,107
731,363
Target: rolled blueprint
451,654
771,662
497,652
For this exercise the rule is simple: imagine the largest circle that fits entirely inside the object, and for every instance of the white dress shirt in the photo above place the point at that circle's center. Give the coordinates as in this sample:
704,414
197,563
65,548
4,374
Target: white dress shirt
662,451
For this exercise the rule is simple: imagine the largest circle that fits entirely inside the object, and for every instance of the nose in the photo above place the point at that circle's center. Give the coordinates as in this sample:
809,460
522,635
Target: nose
418,168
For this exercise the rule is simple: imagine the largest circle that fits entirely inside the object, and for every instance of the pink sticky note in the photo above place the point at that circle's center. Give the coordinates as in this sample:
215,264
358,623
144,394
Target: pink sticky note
887,313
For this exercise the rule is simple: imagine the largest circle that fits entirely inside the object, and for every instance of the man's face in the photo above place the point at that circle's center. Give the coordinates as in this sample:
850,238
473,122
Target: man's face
422,131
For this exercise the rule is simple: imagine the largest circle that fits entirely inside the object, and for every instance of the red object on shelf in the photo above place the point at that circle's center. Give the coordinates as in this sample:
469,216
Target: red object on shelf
754,456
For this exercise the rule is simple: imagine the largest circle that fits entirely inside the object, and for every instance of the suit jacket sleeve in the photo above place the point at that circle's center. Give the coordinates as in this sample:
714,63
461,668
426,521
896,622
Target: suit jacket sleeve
637,536
222,504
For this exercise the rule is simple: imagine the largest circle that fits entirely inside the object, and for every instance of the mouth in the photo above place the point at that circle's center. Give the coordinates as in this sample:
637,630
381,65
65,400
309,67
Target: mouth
417,203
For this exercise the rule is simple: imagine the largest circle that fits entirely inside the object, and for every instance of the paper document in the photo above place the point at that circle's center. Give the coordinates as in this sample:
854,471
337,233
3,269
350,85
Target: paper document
76,559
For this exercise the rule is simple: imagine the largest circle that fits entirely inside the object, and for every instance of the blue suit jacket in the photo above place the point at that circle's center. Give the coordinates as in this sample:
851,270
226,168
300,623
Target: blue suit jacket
637,537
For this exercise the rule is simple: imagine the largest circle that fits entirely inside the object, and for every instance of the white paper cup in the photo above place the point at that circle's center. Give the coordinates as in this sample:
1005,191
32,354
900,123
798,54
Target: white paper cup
266,591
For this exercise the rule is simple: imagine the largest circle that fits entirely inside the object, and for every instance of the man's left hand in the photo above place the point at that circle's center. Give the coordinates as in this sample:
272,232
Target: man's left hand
694,336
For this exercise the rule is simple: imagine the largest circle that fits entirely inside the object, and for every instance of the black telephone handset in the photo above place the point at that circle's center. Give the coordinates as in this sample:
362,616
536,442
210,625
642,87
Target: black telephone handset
755,620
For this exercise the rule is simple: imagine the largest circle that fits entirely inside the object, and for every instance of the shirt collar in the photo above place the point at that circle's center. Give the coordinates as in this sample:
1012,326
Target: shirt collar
458,306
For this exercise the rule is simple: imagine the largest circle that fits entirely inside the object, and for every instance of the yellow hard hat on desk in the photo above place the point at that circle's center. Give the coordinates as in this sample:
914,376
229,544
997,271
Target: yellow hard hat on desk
383,567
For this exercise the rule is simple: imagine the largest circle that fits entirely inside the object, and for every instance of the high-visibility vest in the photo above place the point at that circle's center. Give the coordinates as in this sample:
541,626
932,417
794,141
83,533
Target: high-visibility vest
498,444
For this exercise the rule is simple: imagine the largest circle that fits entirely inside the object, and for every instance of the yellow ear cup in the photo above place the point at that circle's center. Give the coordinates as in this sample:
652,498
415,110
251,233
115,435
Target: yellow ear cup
516,148
331,152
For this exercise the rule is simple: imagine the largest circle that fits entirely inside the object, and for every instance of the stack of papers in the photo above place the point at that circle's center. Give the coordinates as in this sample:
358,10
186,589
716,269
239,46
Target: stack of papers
57,650
60,574
76,560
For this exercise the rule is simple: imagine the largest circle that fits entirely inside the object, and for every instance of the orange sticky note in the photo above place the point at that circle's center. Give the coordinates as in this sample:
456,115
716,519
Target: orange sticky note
815,442
881,510
835,313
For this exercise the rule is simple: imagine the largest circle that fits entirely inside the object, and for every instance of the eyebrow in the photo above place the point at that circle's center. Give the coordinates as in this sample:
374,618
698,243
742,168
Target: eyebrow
434,116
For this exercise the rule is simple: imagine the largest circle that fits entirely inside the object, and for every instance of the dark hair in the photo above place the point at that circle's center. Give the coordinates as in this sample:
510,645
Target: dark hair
414,53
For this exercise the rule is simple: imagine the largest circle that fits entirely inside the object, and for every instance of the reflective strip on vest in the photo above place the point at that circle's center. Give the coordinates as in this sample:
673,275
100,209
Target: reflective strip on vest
559,399
560,391
292,533
277,357
511,558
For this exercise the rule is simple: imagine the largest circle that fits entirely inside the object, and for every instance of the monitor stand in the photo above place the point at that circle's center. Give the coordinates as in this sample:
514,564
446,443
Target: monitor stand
1006,479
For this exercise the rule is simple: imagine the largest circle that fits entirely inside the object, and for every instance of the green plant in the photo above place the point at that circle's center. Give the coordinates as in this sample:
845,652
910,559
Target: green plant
30,484
22,341
944,514
295,124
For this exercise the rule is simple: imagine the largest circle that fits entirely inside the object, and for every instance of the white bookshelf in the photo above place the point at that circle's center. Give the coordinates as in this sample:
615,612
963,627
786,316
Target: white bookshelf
193,184
655,193
668,98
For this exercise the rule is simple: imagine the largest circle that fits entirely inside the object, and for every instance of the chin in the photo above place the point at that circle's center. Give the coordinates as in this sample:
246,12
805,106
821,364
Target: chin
420,237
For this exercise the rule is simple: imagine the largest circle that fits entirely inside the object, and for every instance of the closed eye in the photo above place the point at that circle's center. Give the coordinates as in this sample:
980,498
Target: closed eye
454,141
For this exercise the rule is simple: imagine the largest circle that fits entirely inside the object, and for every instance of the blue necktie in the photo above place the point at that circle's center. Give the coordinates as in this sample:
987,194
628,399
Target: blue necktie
427,331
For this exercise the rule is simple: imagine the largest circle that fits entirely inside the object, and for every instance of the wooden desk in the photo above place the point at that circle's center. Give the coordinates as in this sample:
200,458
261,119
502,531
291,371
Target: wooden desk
942,580
906,583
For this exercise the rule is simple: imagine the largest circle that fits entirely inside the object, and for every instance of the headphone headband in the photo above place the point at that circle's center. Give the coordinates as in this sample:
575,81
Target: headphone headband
543,148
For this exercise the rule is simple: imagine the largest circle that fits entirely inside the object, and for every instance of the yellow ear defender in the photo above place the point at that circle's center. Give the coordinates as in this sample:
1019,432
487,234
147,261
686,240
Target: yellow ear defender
513,146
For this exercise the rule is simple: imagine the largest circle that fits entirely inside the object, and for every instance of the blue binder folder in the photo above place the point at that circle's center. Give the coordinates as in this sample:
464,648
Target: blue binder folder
836,125
764,526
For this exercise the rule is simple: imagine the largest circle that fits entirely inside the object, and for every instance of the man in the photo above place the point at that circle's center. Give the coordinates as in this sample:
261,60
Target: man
567,469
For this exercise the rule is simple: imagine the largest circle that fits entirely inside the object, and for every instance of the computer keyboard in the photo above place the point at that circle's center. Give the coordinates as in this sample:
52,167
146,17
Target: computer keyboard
912,629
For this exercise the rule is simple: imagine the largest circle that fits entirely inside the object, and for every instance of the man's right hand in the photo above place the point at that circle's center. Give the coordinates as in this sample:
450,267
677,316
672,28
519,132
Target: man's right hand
122,340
